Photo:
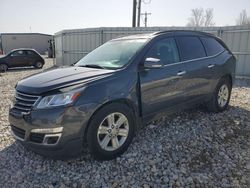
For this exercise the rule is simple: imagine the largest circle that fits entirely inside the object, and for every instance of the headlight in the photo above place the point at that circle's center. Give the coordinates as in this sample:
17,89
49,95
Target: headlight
58,100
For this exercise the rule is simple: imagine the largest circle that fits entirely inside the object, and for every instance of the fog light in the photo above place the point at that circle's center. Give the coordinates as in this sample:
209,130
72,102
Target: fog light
52,140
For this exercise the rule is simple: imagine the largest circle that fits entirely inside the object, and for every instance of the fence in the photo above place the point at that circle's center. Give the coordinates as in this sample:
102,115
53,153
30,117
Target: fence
72,45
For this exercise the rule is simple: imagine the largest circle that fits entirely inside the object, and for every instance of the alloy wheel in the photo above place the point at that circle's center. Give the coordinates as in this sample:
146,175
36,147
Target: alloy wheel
113,131
223,95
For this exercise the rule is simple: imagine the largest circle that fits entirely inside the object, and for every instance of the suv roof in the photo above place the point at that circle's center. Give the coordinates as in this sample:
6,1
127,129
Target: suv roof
175,32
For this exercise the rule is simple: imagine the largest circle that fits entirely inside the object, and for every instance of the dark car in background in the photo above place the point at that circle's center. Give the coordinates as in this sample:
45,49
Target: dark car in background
104,98
22,57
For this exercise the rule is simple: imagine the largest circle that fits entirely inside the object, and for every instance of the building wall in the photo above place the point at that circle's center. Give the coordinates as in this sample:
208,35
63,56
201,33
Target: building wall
37,41
72,45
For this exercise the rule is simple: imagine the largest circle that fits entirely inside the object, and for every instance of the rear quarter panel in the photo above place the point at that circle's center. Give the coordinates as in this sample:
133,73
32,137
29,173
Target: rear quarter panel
225,65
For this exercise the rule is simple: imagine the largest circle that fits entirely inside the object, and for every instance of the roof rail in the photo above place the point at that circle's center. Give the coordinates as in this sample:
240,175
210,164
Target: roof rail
188,31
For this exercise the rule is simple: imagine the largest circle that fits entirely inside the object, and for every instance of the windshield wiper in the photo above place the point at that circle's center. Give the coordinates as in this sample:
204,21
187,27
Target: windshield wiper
92,66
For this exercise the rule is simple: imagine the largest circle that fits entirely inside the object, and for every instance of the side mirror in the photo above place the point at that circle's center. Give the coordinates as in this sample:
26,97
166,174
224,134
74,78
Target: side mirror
153,63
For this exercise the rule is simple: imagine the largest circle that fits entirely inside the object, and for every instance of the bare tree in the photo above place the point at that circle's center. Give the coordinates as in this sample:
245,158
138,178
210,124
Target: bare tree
243,19
196,18
209,15
200,18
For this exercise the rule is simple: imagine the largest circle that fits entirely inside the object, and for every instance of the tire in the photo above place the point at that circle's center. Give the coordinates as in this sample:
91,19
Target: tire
221,96
39,65
3,68
105,141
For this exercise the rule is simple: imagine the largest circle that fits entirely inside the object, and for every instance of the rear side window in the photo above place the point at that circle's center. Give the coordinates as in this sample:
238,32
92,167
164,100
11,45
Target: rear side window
190,48
31,53
212,46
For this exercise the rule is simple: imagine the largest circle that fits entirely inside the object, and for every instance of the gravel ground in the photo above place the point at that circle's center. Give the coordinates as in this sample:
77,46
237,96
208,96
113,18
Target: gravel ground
188,149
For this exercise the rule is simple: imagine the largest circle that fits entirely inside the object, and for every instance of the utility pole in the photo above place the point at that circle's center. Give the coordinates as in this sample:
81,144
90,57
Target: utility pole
146,14
139,13
134,14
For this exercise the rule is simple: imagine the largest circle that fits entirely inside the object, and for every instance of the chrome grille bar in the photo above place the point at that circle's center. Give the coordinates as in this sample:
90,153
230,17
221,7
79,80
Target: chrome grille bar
24,102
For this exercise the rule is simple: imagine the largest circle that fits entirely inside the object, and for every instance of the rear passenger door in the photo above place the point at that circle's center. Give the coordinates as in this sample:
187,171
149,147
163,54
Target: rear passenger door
215,60
31,57
193,55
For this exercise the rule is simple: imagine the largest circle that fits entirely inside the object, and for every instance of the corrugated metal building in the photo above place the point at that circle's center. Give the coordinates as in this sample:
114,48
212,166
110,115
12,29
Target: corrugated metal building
37,41
72,45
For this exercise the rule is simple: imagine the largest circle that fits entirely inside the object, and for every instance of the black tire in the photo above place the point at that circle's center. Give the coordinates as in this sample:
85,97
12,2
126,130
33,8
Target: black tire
38,65
3,67
97,120
213,105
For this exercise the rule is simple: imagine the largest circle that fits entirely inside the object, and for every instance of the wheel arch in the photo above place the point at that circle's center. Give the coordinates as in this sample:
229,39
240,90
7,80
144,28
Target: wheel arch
123,101
4,63
229,77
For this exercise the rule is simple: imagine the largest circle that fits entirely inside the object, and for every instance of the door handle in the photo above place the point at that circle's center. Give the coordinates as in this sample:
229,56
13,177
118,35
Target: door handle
210,66
181,73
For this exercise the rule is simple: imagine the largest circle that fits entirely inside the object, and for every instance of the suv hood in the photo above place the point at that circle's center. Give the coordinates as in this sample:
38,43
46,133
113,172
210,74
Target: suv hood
59,78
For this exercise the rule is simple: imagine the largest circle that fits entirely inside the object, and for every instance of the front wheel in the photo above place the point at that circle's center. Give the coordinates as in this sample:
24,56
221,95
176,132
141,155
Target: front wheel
110,131
221,96
3,68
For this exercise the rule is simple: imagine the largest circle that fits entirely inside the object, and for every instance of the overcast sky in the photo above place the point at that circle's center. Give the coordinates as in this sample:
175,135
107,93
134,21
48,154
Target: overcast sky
50,16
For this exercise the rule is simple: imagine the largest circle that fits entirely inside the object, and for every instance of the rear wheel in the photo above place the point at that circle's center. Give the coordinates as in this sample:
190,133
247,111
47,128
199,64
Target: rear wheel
3,68
39,65
221,96
110,131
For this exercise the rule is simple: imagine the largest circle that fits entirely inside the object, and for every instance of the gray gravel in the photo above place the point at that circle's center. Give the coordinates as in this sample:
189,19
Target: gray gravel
188,149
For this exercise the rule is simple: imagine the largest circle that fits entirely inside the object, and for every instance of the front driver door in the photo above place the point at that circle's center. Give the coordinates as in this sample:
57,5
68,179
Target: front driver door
163,87
17,59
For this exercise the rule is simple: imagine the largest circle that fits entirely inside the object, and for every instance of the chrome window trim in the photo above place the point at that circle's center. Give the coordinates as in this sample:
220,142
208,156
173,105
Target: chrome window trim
197,59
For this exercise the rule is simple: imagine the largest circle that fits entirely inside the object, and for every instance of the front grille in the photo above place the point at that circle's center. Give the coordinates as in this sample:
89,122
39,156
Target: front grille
18,132
36,137
24,102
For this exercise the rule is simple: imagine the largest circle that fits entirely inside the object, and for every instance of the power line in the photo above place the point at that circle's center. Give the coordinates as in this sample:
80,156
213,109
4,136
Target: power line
139,13
137,5
134,14
146,14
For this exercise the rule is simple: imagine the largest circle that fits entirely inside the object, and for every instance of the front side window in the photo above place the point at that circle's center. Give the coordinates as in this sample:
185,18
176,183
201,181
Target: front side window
190,48
112,55
212,46
165,50
18,53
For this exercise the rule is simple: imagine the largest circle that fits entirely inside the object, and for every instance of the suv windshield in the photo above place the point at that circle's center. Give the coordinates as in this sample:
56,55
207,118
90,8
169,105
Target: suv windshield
112,55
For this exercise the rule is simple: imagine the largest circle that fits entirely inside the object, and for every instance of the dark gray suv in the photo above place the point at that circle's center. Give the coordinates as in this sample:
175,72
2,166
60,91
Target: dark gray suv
104,98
